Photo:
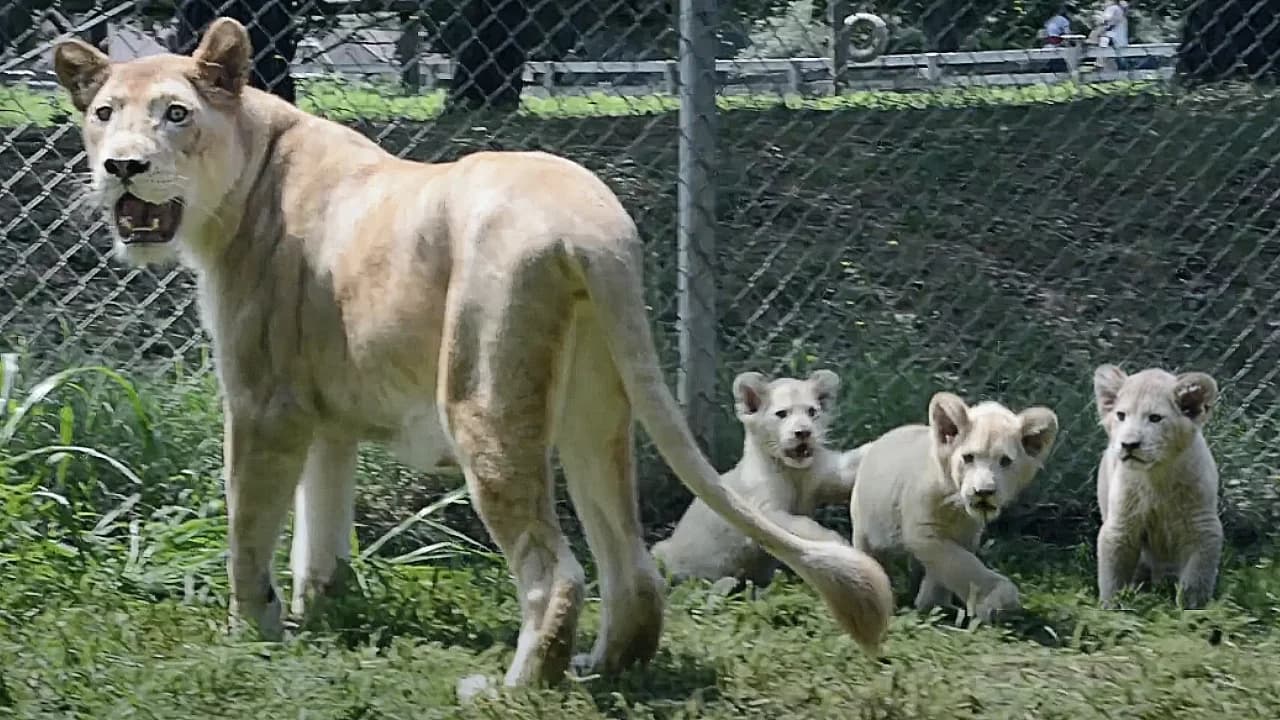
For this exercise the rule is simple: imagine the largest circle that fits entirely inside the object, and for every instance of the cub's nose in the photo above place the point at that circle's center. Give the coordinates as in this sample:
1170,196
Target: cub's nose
125,168
1129,446
803,434
984,492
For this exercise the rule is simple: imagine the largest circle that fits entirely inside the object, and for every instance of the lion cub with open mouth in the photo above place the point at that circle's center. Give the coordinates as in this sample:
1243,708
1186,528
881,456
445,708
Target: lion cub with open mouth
1157,483
786,470
931,490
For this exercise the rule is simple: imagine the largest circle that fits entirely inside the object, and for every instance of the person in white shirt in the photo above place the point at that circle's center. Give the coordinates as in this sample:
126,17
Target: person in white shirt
1115,21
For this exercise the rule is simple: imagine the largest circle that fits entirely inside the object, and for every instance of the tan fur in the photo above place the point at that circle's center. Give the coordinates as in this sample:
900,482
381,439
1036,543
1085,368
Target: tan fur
931,490
778,417
480,312
1157,483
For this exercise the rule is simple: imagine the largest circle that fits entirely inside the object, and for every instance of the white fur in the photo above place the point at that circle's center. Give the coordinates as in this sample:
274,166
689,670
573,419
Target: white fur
930,491
1157,483
776,416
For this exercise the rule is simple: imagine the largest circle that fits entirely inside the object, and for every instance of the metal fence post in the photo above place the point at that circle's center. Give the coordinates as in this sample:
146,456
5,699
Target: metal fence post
695,223
838,11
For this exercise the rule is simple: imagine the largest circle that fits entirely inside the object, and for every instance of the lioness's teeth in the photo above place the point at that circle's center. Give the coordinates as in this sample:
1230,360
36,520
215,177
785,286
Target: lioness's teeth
127,222
155,225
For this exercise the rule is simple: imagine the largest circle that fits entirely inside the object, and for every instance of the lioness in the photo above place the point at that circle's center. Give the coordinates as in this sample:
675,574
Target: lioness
930,490
480,311
786,470
1157,483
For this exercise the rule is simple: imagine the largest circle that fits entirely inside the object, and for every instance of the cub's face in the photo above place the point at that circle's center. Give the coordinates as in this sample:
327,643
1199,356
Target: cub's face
988,453
160,136
787,417
1152,415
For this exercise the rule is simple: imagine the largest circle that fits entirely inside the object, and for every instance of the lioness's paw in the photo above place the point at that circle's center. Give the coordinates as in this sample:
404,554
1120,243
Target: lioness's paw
1002,599
267,618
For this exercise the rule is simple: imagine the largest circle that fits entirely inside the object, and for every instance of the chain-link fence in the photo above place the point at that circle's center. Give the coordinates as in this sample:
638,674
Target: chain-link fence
1005,197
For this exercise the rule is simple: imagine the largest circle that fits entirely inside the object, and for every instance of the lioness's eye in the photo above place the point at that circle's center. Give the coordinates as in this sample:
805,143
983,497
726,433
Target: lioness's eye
176,113
1005,461
781,413
813,412
967,458
1155,417
1120,416
103,113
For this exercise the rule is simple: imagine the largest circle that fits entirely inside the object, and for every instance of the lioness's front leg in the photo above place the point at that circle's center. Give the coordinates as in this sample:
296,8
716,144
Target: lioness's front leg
262,465
1199,574
962,573
1118,553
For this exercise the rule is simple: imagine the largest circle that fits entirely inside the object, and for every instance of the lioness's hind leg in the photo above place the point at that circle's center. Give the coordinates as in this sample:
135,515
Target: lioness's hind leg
324,509
496,391
597,451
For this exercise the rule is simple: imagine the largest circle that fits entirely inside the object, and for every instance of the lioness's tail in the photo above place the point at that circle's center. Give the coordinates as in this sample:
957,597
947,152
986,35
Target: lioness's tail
853,585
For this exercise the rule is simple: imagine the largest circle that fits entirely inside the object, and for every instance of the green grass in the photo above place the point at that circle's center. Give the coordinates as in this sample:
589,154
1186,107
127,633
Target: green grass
346,101
113,597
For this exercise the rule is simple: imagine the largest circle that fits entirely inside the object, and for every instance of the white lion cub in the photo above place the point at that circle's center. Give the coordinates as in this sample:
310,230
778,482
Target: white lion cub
1157,483
930,491
786,470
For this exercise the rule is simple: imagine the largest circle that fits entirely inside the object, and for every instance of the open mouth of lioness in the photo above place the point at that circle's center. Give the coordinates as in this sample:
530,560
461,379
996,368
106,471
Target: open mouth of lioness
800,452
139,222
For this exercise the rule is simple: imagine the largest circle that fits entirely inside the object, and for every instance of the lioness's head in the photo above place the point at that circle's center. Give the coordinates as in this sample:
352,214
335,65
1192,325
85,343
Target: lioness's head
160,135
989,453
1152,415
787,417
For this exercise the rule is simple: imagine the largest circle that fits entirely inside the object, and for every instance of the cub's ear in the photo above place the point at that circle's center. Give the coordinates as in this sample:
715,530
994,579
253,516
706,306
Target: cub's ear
82,69
1195,393
1107,381
225,55
748,393
1039,430
826,383
948,418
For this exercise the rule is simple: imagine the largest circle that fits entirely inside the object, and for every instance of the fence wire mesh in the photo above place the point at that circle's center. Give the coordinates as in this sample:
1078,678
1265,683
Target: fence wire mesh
1009,195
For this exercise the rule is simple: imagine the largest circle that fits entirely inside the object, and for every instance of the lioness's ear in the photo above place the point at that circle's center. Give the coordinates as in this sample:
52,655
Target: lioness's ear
81,69
1107,380
1195,393
948,417
1039,430
225,55
748,393
826,383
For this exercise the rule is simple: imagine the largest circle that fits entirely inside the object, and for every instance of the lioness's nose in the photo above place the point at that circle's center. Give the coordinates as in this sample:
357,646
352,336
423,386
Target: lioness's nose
1129,445
984,492
803,434
125,169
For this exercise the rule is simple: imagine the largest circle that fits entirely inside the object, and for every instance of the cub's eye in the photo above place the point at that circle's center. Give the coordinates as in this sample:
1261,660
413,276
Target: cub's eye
967,458
1155,417
781,413
1005,461
176,113
103,113
1120,416
813,412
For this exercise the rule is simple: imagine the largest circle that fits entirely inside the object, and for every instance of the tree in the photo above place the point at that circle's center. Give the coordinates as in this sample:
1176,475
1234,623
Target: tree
1226,38
17,22
489,41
